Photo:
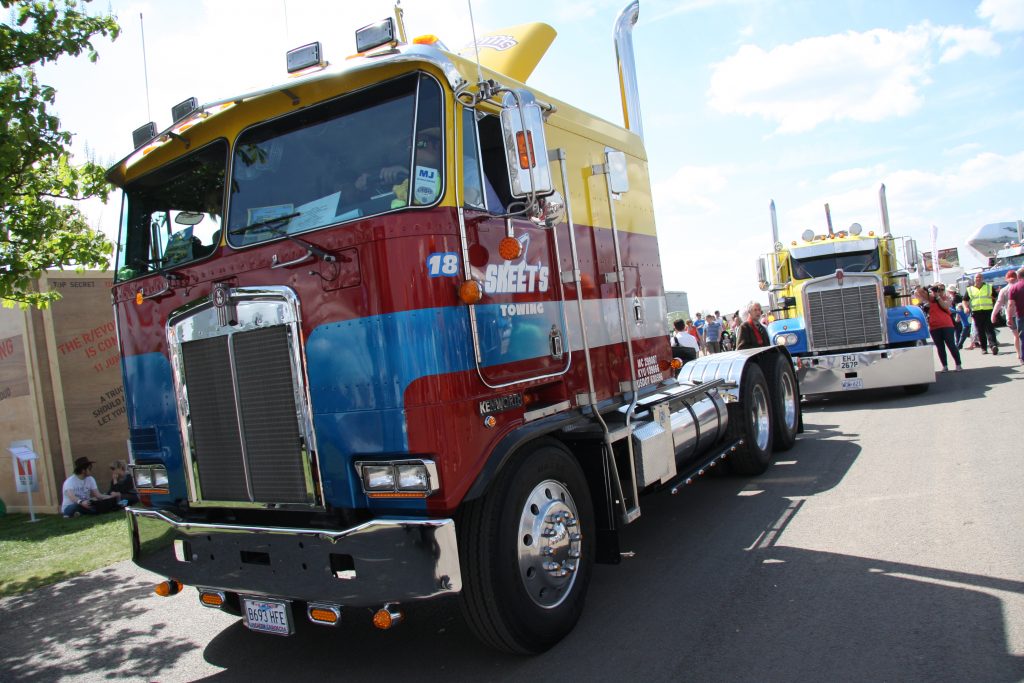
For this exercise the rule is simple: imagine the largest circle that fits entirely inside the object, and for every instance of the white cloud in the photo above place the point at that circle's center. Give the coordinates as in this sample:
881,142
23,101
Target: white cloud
1003,15
963,41
866,77
690,187
850,175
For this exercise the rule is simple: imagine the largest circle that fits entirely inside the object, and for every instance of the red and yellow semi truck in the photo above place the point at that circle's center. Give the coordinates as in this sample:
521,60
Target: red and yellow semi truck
395,328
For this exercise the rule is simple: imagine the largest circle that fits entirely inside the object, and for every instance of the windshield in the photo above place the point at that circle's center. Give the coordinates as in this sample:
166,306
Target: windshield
339,161
1010,261
173,215
851,262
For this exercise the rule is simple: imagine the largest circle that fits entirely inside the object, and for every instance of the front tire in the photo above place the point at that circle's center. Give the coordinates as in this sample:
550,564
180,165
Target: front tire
527,550
752,421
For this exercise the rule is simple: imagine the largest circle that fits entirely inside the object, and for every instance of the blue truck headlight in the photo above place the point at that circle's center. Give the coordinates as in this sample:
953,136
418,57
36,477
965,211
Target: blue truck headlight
787,339
908,326
150,478
378,478
399,478
413,477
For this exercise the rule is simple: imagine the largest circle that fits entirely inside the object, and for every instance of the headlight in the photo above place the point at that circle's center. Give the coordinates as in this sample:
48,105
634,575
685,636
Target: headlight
787,339
150,478
378,478
413,477
143,477
398,479
907,326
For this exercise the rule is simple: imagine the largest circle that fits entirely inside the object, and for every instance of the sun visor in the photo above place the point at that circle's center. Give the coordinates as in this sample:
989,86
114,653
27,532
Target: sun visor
514,51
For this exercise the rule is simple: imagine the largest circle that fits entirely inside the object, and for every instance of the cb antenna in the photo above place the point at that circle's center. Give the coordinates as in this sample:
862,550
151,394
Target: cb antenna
145,70
476,47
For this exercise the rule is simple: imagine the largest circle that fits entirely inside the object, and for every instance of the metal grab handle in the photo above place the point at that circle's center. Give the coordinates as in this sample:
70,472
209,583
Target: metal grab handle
274,263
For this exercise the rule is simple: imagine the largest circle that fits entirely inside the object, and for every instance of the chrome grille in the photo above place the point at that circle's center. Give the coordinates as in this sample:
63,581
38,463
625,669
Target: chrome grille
844,317
242,398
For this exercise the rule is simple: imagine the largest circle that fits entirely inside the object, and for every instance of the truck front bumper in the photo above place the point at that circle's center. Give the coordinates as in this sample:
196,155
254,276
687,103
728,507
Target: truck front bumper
380,561
865,370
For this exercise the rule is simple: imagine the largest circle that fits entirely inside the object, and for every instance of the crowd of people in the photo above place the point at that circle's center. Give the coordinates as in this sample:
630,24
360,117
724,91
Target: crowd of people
953,320
715,333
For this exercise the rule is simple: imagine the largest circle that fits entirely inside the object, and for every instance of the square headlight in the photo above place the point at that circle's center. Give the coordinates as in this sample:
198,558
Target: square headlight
413,477
378,478
160,477
143,477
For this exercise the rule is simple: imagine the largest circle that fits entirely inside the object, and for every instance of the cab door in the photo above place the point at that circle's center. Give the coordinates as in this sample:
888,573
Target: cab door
519,325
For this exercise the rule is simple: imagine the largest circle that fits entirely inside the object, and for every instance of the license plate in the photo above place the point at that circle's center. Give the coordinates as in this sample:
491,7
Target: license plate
267,616
849,363
853,384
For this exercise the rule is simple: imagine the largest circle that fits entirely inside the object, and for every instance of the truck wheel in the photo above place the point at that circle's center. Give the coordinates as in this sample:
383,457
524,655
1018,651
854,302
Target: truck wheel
527,549
752,421
785,402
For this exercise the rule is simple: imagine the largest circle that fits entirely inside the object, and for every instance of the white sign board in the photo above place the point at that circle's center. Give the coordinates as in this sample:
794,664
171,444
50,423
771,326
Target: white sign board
26,477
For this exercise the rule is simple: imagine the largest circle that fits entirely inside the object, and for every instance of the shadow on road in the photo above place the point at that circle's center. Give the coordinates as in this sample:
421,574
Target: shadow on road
80,615
949,386
712,594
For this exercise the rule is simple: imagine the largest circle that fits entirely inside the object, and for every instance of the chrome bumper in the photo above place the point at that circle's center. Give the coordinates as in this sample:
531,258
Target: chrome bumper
384,560
865,370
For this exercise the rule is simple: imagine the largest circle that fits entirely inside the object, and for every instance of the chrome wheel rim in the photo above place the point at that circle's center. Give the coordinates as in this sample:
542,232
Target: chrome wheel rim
789,401
549,544
759,417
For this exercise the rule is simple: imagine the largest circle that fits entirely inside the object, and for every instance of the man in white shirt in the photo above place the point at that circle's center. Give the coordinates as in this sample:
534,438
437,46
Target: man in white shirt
81,494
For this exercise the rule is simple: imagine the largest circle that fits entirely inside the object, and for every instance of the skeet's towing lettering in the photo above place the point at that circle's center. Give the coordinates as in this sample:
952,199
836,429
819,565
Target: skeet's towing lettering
515,278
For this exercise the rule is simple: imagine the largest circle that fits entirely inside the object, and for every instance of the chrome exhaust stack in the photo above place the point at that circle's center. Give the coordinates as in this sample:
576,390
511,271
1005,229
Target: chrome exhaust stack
626,63
885,211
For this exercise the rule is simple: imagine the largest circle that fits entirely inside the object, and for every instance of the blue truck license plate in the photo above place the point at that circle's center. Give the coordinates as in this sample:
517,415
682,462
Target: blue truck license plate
267,616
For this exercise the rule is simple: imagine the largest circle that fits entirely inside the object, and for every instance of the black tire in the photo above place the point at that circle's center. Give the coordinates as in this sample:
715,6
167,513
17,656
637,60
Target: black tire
915,389
513,596
751,420
785,401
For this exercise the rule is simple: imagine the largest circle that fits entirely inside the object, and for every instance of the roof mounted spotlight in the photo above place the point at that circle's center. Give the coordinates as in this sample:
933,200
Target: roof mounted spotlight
808,235
856,229
182,109
143,134
304,57
375,35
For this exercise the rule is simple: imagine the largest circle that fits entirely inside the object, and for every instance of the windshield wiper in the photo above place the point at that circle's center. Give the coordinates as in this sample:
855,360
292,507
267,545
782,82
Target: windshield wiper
269,221
279,231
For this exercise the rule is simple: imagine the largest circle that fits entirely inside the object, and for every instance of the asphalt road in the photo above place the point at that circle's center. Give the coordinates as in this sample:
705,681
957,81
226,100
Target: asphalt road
888,545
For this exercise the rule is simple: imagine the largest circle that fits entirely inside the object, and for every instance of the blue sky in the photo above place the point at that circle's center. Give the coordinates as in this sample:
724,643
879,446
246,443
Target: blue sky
743,101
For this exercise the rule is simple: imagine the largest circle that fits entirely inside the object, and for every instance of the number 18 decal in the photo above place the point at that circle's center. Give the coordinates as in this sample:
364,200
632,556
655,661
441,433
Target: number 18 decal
443,264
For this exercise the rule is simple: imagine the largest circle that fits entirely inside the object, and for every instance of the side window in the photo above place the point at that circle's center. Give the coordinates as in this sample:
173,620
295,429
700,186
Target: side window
497,189
472,179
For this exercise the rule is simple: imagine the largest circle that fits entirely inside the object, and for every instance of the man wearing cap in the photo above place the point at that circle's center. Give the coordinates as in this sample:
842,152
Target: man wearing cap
1001,302
981,301
80,491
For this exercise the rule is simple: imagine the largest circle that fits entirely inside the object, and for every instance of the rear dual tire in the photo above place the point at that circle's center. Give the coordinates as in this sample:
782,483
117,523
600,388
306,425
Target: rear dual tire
752,420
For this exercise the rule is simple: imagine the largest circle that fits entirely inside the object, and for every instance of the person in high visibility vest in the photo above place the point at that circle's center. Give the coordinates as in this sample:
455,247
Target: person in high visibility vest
981,299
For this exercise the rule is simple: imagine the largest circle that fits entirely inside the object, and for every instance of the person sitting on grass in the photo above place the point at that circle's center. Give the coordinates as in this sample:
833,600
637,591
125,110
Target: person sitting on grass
122,486
81,497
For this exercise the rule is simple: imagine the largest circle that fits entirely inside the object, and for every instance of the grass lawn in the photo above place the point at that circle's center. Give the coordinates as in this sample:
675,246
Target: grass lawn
34,554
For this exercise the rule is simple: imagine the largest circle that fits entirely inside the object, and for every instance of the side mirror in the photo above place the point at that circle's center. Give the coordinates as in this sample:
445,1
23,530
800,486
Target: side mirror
762,274
551,211
526,149
618,173
910,250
